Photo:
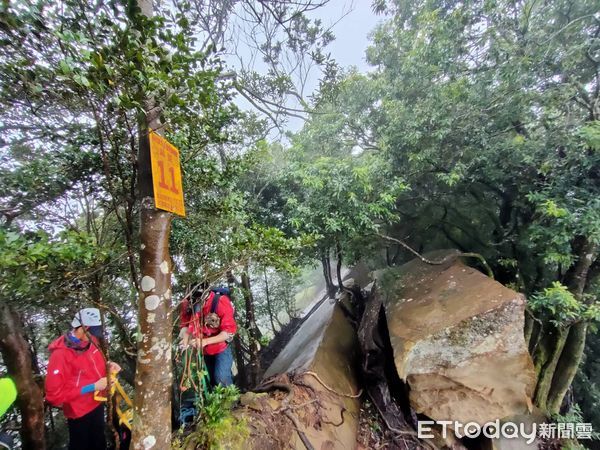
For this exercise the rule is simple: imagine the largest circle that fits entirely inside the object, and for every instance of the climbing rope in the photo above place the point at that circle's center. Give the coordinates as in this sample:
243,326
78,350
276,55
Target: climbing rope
117,392
194,374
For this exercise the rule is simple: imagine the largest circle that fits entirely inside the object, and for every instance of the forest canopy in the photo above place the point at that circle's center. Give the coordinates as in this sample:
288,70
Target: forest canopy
477,127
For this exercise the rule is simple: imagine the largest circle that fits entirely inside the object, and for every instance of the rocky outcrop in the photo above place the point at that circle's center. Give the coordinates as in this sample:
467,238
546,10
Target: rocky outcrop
458,340
458,354
309,397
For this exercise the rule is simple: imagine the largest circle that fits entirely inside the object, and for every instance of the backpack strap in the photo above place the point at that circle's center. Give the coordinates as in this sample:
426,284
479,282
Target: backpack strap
215,302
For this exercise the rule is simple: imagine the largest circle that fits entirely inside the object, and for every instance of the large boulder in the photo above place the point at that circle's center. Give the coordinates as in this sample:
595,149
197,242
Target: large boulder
458,340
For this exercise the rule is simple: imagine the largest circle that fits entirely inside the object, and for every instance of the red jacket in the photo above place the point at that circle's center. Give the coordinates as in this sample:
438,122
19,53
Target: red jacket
225,312
70,370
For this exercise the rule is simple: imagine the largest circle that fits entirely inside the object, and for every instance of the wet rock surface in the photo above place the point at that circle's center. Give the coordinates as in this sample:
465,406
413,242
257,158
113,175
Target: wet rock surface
313,399
458,342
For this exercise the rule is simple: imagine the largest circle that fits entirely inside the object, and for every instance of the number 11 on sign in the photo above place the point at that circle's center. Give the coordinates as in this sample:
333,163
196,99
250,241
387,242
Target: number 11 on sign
166,175
162,183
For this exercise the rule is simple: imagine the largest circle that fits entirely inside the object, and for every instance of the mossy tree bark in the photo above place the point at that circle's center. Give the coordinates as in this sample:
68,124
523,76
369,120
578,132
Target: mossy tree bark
557,358
269,306
576,280
552,350
533,335
567,366
253,331
17,358
326,264
242,377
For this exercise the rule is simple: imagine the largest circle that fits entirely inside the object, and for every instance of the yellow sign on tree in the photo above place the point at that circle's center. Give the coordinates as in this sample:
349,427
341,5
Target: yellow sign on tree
166,175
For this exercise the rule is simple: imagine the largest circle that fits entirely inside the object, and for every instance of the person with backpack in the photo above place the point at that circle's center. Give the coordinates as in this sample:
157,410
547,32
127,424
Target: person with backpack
76,370
211,328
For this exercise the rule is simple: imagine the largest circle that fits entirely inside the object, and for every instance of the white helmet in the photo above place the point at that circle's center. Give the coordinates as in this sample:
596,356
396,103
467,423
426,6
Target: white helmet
89,317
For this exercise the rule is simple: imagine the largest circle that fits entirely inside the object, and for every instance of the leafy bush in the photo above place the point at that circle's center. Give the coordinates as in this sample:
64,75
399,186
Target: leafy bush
557,302
562,307
575,416
216,427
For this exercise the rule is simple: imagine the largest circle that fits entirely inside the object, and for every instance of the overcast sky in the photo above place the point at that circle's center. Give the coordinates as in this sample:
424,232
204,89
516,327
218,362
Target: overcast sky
351,32
352,21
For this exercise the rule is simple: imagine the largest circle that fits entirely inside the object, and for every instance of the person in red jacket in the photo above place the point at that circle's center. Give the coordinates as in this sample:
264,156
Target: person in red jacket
212,327
76,370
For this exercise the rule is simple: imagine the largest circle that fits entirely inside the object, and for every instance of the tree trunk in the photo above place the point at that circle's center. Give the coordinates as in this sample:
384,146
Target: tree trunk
567,366
242,375
576,280
269,306
558,373
547,370
154,371
327,274
30,337
338,267
534,335
17,358
543,346
576,277
253,331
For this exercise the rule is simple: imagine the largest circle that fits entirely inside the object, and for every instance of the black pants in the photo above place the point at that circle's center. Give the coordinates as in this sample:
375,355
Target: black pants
87,432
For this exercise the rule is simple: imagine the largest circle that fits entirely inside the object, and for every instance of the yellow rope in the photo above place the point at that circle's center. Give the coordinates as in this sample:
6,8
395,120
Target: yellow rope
125,417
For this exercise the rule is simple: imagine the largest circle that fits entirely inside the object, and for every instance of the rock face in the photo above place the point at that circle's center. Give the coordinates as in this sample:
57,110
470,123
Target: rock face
312,399
310,394
458,340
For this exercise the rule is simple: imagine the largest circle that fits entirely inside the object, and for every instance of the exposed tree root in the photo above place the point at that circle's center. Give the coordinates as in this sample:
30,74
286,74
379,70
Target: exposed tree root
301,434
342,411
442,261
286,408
308,372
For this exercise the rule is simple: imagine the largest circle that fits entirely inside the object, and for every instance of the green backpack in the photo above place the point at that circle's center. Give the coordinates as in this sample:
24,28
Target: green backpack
8,394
